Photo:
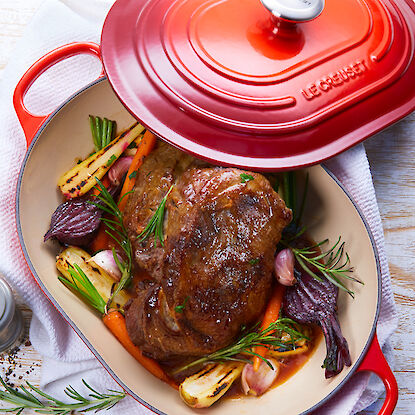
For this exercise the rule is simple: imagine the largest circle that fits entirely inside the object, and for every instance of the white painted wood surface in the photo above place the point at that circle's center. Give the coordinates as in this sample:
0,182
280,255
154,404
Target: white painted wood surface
392,160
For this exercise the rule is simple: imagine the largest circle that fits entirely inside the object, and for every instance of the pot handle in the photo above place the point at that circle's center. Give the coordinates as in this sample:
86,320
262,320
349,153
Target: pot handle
375,362
30,122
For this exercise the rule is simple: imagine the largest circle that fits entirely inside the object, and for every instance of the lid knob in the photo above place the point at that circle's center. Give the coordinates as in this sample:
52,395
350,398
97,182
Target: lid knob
295,11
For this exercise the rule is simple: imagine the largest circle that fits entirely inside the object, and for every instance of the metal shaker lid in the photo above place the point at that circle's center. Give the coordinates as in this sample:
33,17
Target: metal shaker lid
11,321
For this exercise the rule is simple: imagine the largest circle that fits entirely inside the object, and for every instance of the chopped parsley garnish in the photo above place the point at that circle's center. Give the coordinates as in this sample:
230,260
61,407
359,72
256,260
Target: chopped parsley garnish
111,160
180,308
133,174
254,261
246,177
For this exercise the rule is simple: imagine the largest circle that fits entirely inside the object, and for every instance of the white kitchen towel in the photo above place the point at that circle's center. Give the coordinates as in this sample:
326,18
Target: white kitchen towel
65,358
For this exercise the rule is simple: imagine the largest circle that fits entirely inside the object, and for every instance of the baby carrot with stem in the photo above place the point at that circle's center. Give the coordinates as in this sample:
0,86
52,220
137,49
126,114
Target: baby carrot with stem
271,316
146,145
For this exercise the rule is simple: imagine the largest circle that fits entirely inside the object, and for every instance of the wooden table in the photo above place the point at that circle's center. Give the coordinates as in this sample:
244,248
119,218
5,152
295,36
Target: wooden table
392,161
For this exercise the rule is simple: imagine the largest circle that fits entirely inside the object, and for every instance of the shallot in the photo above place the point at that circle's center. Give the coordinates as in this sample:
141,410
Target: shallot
105,259
117,171
257,382
284,267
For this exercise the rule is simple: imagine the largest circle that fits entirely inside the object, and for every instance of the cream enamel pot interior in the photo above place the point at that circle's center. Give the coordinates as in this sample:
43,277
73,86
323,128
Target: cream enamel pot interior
330,213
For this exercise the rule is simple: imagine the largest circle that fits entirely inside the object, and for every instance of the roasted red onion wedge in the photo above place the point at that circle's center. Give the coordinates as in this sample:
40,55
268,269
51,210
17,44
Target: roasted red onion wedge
313,301
74,222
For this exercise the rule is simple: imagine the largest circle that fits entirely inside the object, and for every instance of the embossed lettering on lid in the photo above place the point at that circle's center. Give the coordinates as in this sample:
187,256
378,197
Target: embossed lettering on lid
230,82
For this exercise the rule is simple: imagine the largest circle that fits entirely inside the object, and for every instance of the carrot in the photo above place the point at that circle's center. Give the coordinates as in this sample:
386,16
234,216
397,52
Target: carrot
101,242
144,149
115,322
105,182
271,315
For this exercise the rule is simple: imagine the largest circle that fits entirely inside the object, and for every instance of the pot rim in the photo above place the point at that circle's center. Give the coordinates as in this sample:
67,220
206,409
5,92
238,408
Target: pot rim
92,349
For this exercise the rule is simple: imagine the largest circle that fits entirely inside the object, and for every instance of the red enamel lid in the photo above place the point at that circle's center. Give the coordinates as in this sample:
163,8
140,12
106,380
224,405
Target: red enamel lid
262,86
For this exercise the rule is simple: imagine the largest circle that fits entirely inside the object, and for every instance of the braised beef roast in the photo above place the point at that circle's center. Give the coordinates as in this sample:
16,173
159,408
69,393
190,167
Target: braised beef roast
214,272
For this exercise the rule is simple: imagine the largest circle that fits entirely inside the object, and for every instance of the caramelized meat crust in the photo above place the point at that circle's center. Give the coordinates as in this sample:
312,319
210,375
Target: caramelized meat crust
214,272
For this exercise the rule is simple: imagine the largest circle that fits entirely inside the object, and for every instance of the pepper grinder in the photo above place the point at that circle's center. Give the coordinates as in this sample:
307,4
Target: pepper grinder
11,320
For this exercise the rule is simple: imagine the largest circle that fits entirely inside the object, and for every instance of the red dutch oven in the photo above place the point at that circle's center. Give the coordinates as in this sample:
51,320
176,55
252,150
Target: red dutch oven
236,82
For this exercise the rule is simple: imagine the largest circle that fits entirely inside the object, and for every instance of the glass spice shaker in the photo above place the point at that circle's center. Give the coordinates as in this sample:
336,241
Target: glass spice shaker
11,320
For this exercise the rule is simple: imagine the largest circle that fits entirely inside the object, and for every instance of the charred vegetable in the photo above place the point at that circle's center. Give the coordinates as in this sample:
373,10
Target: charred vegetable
315,301
87,278
208,385
81,178
74,222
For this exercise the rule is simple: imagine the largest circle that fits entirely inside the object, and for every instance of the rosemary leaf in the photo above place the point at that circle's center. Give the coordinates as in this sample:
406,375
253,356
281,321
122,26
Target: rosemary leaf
82,285
155,224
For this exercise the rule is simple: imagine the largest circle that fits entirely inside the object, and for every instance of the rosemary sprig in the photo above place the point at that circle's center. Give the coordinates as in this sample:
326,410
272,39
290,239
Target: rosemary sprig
25,399
155,224
82,285
118,233
329,264
269,337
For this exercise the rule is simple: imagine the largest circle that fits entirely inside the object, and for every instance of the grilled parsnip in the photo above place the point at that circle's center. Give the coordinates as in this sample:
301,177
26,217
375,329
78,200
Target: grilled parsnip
81,178
208,385
99,278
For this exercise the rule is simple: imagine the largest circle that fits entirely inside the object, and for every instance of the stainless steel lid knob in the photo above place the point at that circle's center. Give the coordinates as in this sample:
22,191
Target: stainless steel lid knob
295,11
11,320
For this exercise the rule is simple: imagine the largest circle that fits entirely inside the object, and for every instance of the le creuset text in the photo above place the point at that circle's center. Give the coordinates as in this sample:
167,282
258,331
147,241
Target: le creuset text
334,79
